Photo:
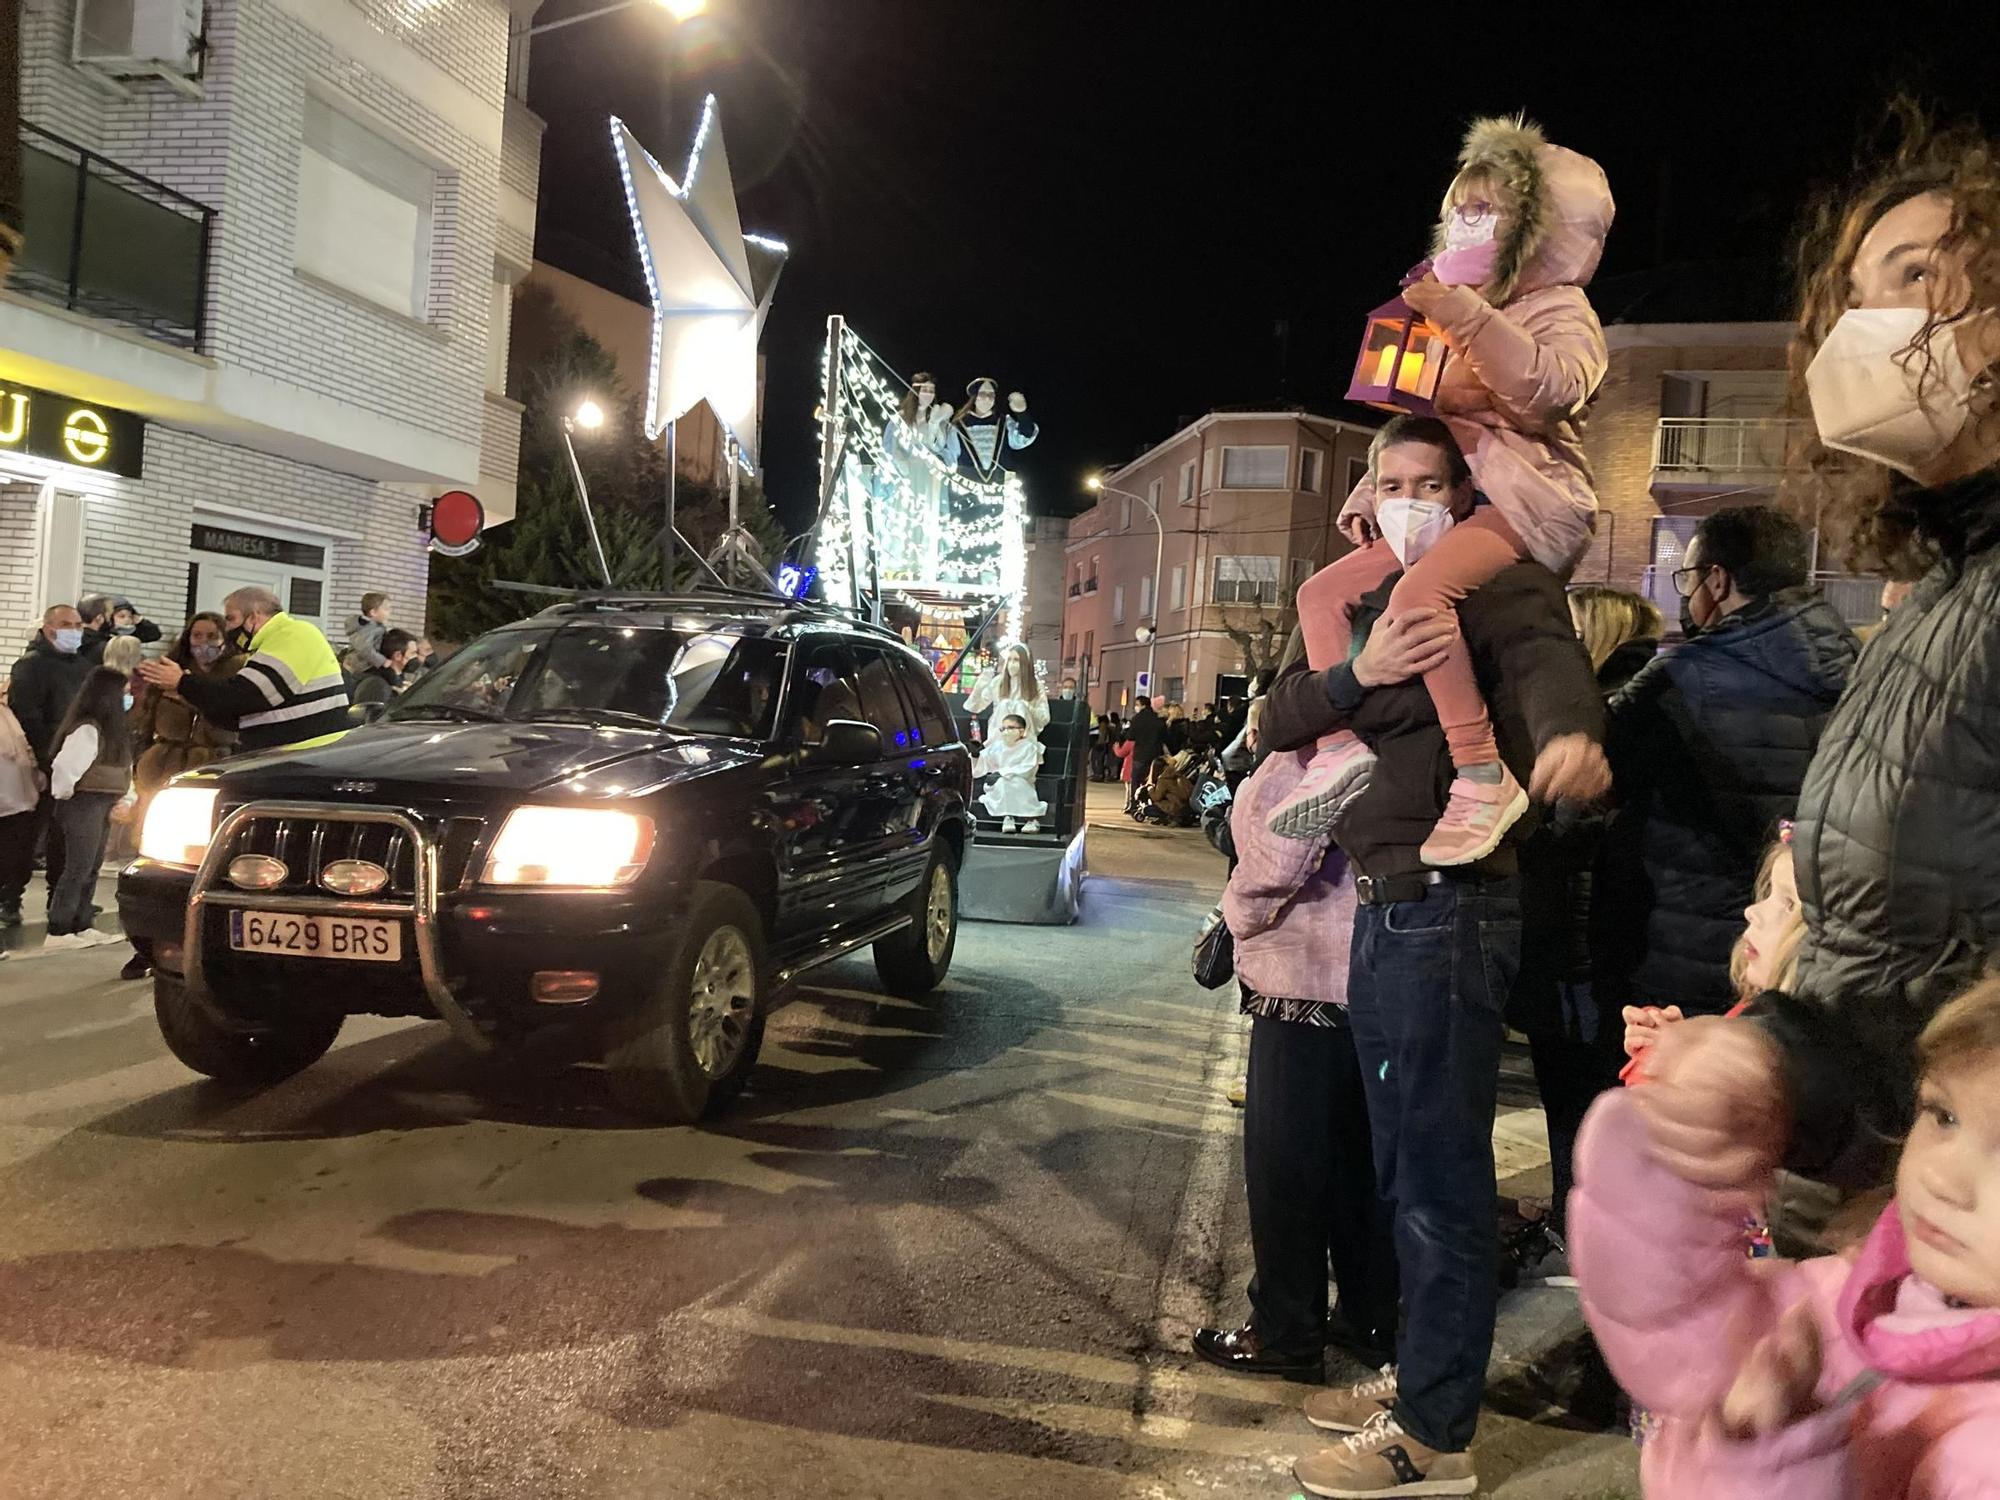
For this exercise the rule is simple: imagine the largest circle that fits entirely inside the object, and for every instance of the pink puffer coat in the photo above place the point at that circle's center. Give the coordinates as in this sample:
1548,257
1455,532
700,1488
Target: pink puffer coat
1676,1305
1289,903
1525,366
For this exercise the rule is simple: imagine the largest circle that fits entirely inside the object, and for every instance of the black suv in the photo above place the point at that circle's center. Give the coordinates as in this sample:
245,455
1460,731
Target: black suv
636,815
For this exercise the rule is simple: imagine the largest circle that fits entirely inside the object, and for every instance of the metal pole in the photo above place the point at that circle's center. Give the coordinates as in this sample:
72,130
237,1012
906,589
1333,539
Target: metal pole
729,451
667,539
1159,555
583,498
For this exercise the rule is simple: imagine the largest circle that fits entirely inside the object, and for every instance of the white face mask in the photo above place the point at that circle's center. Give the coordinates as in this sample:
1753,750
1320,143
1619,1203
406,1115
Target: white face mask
1872,398
1412,527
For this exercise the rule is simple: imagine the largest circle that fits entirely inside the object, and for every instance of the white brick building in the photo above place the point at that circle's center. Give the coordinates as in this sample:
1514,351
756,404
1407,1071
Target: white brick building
293,269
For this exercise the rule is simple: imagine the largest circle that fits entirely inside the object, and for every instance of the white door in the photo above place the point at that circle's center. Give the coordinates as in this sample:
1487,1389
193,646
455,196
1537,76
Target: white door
216,578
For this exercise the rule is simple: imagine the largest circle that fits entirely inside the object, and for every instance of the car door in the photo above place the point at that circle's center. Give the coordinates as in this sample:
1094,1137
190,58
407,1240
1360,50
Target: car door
815,806
903,848
940,759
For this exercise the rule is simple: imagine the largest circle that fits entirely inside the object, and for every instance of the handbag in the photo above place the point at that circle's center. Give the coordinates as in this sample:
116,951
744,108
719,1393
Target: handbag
1214,952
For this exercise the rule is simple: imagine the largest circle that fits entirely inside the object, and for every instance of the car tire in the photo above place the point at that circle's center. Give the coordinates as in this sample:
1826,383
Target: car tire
913,961
266,1056
692,1045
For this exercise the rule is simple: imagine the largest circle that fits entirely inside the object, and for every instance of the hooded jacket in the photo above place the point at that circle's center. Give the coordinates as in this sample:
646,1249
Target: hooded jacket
42,685
364,646
1676,1306
1289,903
1528,355
1708,745
1898,848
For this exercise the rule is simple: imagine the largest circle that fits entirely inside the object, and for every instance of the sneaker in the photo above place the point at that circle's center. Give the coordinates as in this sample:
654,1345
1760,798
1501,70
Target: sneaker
138,966
68,942
1007,825
1338,774
1382,1459
1476,818
1238,1093
1031,826
1350,1408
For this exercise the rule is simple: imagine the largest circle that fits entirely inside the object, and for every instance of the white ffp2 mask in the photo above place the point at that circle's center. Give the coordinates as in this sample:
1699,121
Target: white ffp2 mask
1412,527
1872,397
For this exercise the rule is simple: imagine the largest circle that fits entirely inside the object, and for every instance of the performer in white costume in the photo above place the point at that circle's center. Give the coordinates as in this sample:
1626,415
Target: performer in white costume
1013,758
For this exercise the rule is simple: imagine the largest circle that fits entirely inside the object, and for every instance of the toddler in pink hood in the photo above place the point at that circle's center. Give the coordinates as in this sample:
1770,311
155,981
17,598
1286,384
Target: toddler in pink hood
1523,226
1875,1378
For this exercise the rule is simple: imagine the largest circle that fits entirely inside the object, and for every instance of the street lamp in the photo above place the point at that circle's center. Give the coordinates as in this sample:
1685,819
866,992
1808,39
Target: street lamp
588,415
1149,636
680,10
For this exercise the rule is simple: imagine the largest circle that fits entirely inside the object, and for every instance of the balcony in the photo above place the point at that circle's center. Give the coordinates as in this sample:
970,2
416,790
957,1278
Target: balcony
1696,450
1076,591
109,243
1090,585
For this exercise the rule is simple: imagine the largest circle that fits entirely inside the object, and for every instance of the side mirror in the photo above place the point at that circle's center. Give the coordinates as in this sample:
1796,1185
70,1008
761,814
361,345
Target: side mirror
366,713
847,742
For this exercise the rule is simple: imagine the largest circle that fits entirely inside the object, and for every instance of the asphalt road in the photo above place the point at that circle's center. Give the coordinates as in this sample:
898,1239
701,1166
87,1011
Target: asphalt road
941,1249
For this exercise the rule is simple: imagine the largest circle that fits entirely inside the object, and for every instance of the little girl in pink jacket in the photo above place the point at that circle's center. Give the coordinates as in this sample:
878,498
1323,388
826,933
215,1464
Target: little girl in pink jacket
1523,228
1871,1378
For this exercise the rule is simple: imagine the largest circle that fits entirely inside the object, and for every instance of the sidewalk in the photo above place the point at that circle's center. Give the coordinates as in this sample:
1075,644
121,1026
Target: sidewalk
25,941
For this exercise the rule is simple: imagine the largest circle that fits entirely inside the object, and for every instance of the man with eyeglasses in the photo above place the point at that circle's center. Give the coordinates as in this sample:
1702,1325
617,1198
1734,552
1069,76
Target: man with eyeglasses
1709,746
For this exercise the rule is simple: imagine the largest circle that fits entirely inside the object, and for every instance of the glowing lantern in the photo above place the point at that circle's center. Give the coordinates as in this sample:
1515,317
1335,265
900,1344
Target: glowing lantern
1401,359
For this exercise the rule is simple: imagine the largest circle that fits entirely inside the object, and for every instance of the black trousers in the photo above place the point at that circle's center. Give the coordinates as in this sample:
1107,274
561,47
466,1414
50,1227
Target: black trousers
18,836
1577,1053
1309,1167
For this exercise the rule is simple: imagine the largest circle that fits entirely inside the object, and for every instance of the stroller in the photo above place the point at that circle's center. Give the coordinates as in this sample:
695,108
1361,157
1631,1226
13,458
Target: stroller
1212,798
1167,798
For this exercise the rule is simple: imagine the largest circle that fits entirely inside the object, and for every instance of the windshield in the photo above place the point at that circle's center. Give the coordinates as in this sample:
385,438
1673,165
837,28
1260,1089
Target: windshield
644,676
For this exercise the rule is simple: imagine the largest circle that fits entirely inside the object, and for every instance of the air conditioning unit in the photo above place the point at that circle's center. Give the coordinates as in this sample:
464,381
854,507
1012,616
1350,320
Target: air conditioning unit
140,38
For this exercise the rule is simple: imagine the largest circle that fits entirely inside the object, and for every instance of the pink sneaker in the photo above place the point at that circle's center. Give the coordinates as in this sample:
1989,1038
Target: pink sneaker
1476,818
1338,774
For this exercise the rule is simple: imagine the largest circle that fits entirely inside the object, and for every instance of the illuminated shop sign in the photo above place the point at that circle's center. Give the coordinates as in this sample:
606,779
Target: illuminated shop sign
68,431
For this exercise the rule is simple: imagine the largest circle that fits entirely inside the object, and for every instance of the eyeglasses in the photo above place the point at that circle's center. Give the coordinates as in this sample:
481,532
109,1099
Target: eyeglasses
1687,580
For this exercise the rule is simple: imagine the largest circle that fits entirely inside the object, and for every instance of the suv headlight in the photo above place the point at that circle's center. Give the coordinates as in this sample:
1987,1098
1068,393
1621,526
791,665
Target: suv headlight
570,846
180,820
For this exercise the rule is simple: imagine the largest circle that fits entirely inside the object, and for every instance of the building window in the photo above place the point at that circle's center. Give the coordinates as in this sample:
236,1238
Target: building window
499,323
1118,604
1357,470
1124,512
1089,647
1302,569
1310,463
364,211
1187,482
1153,494
1245,580
1172,690
1090,579
1179,594
1145,598
1255,468
1070,655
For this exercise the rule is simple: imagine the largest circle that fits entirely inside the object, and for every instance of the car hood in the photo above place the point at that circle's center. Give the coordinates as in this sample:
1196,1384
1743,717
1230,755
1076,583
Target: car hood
457,760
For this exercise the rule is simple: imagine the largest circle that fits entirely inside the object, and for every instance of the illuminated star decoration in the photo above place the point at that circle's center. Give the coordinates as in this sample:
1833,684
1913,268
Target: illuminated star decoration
711,283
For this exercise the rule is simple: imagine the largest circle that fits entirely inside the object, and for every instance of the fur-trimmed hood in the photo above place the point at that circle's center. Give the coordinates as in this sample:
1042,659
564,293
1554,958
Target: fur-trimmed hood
1557,237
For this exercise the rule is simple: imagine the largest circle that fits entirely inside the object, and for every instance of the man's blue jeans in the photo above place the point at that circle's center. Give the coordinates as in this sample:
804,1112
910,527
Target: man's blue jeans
1425,993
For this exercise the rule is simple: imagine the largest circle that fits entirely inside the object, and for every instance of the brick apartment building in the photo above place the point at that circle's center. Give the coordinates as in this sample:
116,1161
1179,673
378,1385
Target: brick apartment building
276,322
1247,502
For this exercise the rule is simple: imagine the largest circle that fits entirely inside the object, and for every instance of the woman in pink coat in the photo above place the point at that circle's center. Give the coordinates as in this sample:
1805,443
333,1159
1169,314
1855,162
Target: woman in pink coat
1871,1379
1522,230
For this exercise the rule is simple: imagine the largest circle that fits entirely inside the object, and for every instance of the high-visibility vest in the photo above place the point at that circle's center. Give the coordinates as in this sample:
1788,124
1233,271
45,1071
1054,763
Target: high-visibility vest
297,674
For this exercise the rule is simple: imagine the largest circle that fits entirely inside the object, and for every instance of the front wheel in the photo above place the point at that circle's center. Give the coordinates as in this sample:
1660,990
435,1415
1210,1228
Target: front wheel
265,1056
692,1045
914,960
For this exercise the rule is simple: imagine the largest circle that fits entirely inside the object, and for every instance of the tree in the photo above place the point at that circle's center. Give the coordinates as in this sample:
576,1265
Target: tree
547,543
1260,636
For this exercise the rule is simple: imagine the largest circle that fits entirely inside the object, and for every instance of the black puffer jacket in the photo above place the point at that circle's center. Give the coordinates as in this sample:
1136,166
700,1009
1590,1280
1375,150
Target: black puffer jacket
1556,886
1708,748
1898,849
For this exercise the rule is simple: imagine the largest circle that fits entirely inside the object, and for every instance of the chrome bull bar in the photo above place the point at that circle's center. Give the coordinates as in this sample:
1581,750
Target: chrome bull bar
421,909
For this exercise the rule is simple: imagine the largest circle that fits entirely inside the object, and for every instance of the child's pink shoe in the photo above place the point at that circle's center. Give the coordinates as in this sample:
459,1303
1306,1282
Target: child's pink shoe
1476,818
1338,774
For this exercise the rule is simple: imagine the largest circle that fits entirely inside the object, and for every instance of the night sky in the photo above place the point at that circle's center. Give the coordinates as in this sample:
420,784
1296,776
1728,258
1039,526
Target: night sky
1135,213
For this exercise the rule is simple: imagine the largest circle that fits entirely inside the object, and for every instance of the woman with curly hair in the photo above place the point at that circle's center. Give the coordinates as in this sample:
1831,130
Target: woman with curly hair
1898,842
